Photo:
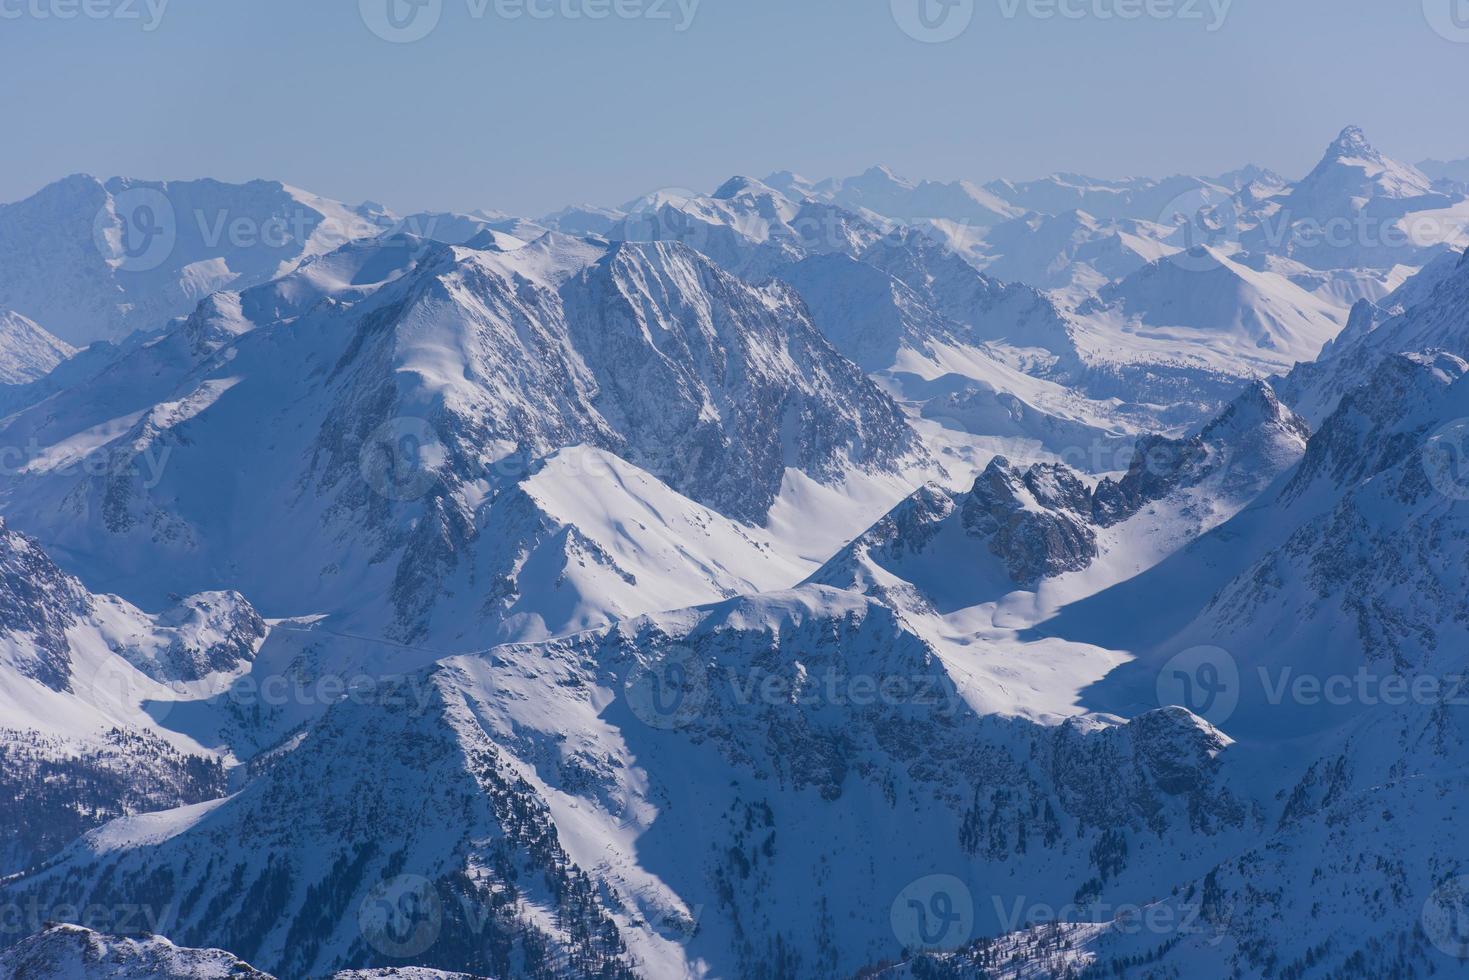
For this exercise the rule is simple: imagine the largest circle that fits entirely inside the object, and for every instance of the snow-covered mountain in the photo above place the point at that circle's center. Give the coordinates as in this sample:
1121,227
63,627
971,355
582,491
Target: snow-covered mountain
1327,625
1360,208
377,403
1018,527
1142,198
84,680
1427,313
26,351
93,260
1205,304
1072,251
754,584
879,191
566,817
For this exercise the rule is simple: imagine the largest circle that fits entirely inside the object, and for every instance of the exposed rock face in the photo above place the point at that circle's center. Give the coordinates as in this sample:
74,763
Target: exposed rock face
484,360
815,707
77,953
1036,521
1045,521
76,748
38,602
1255,439
207,633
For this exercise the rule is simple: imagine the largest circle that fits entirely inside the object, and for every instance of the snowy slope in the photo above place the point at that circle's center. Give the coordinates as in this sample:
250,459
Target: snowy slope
1346,569
1217,309
700,827
1427,313
26,351
85,681
371,403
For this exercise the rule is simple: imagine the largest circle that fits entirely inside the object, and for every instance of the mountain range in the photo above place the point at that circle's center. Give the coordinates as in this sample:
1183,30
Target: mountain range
849,577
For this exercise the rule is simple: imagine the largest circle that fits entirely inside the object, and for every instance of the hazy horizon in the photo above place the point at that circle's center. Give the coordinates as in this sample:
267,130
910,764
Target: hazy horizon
495,108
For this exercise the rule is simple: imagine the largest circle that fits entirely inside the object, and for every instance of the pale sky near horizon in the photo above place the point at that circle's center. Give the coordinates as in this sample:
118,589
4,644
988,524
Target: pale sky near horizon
525,114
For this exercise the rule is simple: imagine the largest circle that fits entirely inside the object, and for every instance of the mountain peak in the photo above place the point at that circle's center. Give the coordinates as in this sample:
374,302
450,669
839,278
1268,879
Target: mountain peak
738,185
884,174
1351,140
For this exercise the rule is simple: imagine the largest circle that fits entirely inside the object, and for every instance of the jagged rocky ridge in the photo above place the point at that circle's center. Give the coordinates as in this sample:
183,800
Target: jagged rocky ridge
492,750
1045,520
77,746
483,361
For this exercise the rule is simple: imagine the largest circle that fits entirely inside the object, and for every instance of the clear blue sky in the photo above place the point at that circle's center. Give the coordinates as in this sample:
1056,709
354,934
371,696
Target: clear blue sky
525,115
